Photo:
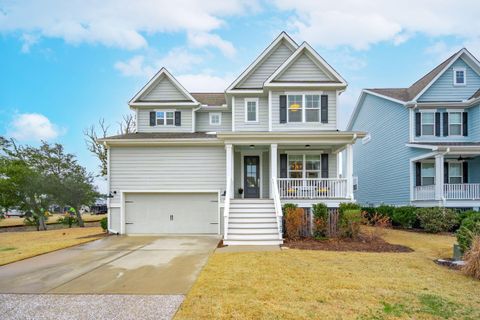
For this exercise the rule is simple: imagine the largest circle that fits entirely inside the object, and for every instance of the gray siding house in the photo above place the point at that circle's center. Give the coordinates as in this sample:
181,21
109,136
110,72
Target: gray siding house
423,142
225,162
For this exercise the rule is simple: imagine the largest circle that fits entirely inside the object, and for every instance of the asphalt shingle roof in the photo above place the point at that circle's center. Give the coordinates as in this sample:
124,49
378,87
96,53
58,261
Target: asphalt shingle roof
210,98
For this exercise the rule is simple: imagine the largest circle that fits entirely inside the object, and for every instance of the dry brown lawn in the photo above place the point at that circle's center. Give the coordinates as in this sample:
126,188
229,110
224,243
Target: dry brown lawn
16,246
16,221
304,284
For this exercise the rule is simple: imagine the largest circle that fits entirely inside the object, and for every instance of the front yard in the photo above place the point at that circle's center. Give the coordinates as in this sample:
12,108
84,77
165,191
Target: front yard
17,221
301,284
16,246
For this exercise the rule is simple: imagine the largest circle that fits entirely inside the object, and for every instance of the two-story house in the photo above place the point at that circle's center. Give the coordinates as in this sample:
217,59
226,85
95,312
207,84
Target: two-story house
224,162
423,142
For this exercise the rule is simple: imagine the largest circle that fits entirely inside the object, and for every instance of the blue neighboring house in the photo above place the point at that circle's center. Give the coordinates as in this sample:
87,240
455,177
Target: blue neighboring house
423,142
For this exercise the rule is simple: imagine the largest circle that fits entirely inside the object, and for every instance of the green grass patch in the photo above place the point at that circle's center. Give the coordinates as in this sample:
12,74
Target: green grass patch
438,306
7,249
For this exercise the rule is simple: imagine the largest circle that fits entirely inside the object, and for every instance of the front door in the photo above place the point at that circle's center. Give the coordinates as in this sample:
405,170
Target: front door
251,178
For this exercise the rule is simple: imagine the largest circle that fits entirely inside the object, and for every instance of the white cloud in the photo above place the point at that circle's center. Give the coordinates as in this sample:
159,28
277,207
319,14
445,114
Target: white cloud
32,127
135,67
122,23
205,40
360,24
28,41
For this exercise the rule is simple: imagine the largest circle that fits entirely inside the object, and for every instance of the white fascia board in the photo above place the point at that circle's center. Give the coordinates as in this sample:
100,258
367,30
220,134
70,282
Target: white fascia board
141,142
244,91
422,146
305,85
356,110
385,97
423,156
163,104
163,71
282,36
318,60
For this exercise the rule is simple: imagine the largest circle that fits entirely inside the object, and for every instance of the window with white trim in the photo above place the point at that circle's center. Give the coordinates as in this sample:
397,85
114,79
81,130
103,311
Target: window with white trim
428,123
295,108
303,107
312,108
455,172
304,166
428,173
312,166
215,118
251,110
165,118
455,123
295,166
459,76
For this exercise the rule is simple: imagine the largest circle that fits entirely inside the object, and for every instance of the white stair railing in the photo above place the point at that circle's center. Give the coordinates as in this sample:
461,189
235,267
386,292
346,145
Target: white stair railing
278,207
226,207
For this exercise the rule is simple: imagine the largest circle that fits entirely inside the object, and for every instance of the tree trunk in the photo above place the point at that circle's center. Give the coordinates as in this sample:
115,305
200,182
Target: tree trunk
41,223
79,218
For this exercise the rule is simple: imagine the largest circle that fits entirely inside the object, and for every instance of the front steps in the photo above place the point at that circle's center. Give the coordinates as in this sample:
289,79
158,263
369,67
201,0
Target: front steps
252,222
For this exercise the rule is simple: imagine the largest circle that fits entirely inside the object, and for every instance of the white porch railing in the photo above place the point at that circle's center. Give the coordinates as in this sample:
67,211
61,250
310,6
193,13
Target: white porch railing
425,192
312,188
226,207
278,207
461,191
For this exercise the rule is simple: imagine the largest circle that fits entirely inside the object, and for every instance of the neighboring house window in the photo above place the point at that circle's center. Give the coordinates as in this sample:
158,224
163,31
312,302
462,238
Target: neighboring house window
455,172
459,76
295,108
312,108
428,173
165,118
428,123
455,123
215,118
295,166
251,110
304,166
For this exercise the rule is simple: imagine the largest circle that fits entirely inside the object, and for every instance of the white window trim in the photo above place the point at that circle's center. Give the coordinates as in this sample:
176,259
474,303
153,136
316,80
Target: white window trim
421,124
210,116
450,171
421,171
461,124
304,164
247,100
165,122
303,94
455,83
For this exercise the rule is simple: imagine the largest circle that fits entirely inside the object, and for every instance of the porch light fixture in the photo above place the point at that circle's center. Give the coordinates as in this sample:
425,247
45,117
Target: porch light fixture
252,146
307,146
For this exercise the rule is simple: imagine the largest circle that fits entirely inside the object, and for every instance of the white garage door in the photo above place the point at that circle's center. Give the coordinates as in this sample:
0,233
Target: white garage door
163,213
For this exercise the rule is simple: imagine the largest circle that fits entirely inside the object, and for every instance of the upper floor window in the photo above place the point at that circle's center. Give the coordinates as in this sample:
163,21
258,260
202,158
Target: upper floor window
459,76
428,123
312,108
303,107
215,118
295,108
251,110
165,118
455,123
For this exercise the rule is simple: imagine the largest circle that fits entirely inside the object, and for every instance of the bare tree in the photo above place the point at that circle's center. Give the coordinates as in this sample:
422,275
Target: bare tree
127,125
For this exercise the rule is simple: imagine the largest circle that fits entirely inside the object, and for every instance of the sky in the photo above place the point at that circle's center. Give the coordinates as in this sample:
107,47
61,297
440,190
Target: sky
66,64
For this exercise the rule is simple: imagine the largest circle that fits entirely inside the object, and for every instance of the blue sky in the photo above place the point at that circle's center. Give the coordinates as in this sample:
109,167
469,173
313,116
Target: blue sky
65,64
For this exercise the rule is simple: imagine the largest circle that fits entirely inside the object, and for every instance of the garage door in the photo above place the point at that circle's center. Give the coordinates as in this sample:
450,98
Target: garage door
163,213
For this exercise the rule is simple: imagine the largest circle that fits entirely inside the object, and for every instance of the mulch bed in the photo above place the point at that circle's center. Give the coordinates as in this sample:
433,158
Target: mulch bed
376,245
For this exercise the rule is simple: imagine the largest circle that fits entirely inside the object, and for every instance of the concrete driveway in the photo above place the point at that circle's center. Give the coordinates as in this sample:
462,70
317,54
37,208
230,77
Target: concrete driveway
115,265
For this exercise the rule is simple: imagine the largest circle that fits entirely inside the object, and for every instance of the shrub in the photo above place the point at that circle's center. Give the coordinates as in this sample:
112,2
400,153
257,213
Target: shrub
368,213
469,228
287,206
104,223
293,222
385,210
320,220
437,219
68,219
472,259
344,206
404,216
350,221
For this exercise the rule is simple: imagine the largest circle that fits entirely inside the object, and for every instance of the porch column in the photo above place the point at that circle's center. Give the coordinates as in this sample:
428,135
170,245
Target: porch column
439,179
229,166
349,170
273,165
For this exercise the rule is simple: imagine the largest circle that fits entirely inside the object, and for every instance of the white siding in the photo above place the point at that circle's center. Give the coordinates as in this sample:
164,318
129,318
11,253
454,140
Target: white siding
166,168
332,165
163,90
261,125
202,122
266,67
144,121
332,115
303,69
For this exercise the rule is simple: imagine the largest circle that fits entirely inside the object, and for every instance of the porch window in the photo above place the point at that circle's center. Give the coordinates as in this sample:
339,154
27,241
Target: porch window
312,167
295,166
428,123
455,172
455,123
251,110
165,118
312,108
428,173
295,108
304,166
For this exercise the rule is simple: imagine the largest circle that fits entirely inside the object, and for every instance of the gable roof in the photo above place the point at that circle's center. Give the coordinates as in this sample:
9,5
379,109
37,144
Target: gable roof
315,58
159,76
282,37
210,98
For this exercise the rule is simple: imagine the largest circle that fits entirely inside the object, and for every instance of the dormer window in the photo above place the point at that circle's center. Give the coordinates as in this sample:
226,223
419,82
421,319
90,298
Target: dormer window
459,77
165,118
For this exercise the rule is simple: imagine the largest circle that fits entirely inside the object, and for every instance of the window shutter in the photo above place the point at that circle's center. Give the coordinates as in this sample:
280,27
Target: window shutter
283,166
324,165
418,124
324,108
445,124
418,174
153,118
283,109
445,172
178,118
465,124
437,124
465,172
